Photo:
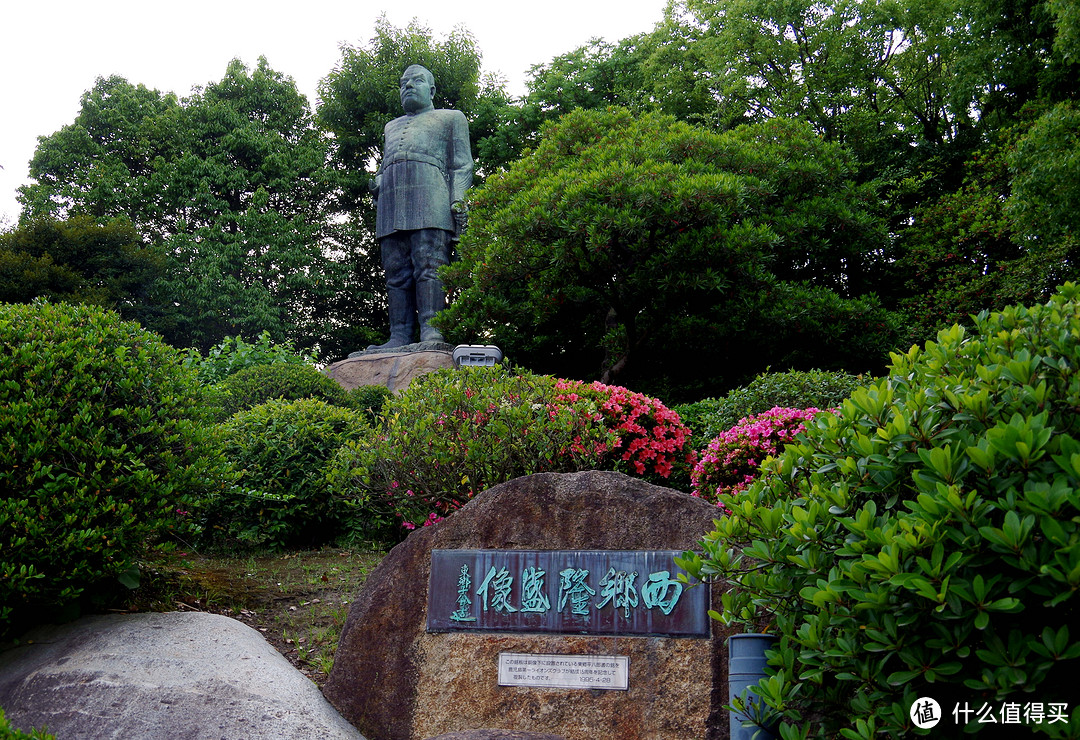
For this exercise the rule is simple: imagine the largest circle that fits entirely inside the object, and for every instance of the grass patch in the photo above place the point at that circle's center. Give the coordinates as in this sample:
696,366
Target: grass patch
297,600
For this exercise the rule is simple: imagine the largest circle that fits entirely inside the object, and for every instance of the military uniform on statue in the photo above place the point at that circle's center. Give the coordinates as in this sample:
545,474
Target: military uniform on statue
420,193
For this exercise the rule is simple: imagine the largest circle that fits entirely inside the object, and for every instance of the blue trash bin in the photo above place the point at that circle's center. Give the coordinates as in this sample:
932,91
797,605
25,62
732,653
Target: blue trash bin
746,666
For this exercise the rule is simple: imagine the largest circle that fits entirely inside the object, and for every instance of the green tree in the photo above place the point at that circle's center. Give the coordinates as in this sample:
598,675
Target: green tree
992,242
234,183
649,249
1045,168
80,261
913,89
104,164
1067,19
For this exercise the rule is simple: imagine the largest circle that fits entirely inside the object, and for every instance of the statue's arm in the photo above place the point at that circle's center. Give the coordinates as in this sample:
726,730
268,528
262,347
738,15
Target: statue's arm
461,161
375,183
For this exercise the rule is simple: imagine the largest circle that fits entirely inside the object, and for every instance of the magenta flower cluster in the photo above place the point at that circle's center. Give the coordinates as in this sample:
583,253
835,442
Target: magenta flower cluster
730,462
650,439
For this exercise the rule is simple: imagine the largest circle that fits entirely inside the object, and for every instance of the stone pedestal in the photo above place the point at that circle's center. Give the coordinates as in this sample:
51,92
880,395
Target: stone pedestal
395,680
394,369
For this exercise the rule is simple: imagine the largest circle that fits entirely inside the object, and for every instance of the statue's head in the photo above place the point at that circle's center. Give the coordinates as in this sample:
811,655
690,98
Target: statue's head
417,89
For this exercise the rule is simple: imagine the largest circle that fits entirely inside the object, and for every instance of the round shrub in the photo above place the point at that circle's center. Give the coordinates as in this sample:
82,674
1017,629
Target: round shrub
454,433
730,462
924,540
253,385
794,389
281,450
370,399
102,451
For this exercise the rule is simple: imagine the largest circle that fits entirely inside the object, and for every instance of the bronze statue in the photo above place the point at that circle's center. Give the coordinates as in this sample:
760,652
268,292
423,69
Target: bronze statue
420,205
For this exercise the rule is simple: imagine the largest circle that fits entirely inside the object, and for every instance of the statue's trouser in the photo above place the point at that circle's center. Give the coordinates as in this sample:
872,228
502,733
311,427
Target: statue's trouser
411,260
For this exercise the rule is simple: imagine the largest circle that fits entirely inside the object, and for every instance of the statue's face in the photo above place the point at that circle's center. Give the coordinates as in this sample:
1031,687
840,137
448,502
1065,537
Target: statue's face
417,89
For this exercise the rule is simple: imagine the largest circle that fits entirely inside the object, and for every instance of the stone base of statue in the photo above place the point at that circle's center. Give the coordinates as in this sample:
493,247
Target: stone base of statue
414,347
394,367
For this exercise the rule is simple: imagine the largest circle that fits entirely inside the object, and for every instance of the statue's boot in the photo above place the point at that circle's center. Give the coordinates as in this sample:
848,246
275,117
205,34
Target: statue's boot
402,319
430,299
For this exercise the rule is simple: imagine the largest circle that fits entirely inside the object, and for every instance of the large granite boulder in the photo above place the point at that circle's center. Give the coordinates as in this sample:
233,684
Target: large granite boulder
390,368
174,676
396,681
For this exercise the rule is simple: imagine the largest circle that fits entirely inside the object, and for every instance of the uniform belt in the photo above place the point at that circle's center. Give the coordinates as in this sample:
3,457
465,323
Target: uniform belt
413,157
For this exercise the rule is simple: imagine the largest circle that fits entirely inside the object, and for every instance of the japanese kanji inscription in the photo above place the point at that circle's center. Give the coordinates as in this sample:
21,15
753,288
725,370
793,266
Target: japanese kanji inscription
604,592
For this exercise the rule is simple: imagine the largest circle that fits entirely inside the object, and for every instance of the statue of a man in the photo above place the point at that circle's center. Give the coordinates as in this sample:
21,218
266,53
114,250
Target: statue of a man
420,205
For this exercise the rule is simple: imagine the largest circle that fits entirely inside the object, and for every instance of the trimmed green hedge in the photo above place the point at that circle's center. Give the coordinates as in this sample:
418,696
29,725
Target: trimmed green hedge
103,452
282,449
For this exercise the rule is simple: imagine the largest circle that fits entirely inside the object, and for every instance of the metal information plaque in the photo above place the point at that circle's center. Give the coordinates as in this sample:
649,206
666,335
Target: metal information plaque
592,592
564,671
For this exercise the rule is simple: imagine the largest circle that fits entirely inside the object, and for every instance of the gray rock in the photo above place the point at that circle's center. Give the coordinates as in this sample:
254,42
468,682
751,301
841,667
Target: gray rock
173,676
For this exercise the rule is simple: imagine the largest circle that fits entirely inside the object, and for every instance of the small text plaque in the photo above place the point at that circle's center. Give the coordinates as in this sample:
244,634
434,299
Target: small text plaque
564,671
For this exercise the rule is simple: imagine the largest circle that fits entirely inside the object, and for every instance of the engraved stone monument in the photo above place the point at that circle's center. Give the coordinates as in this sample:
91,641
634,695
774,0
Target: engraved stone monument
549,604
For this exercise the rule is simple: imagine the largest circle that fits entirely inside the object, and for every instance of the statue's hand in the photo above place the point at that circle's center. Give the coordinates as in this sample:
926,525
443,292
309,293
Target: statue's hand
373,185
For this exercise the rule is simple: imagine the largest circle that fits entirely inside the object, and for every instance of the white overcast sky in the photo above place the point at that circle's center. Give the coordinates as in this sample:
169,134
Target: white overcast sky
53,50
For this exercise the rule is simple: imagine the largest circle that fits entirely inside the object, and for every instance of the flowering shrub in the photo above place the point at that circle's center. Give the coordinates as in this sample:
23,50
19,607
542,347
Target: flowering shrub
731,461
651,440
454,433
793,389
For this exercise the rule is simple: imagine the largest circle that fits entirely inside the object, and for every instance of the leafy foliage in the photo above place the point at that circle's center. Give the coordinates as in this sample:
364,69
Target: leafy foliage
1045,197
260,383
7,732
102,452
647,248
971,249
281,449
233,354
925,539
79,261
370,399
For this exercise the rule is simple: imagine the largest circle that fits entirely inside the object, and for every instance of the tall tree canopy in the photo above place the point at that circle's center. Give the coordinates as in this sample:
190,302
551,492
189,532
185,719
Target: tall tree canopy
670,256
234,184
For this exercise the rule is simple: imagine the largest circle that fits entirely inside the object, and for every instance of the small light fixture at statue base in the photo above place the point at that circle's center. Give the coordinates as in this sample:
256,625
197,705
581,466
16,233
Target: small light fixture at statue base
477,355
